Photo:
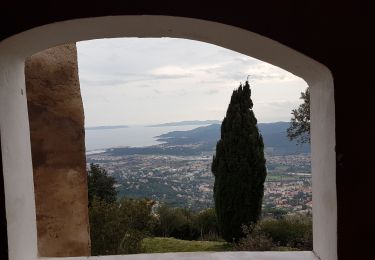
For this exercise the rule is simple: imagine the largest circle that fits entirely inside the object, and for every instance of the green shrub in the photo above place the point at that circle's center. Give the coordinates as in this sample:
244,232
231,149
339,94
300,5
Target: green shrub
176,222
168,244
105,227
131,243
119,227
100,184
290,231
205,222
255,239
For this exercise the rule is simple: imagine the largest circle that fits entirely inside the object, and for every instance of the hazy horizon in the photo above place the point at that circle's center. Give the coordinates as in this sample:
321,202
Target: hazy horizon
151,124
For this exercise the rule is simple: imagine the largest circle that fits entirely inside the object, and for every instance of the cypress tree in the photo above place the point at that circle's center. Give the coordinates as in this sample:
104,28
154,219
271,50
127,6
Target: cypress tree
239,167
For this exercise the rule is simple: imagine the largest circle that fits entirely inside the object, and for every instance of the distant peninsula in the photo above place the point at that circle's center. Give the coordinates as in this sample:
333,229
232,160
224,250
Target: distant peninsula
106,127
193,122
274,137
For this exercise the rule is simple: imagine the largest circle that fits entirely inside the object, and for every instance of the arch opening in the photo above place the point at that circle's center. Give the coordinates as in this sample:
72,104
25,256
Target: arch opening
15,133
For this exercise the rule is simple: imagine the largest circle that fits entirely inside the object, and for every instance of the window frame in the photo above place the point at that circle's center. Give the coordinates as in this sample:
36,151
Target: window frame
15,138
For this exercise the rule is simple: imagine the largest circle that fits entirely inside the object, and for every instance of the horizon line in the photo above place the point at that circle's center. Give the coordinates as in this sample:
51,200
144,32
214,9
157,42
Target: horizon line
155,124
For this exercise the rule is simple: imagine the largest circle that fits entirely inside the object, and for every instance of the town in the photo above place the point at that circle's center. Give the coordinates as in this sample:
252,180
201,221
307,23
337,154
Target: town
187,181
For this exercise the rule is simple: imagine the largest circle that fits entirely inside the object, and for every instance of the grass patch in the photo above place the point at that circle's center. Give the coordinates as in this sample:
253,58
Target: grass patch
168,244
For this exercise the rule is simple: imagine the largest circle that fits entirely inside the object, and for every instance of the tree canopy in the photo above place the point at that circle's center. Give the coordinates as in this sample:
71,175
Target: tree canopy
299,129
100,185
120,226
239,167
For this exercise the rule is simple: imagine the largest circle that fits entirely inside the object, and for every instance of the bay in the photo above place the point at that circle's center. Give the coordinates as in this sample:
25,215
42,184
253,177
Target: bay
134,136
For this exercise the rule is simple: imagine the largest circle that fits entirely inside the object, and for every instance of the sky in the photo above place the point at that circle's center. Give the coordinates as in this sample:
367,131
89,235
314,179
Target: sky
141,81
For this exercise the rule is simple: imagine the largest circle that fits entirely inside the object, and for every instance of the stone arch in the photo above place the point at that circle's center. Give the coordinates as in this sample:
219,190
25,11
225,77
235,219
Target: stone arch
14,122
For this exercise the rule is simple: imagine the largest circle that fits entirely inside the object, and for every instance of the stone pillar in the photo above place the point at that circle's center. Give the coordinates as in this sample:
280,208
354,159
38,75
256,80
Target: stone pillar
58,152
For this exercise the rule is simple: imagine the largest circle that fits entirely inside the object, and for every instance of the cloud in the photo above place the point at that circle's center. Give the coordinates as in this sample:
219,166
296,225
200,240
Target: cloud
278,103
144,86
212,91
102,82
209,82
176,77
157,91
171,71
167,76
129,78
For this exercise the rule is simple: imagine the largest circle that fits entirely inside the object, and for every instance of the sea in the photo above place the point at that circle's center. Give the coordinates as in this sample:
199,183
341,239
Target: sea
97,140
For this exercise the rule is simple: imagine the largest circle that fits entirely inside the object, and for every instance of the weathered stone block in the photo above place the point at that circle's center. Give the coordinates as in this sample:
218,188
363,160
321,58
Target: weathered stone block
58,152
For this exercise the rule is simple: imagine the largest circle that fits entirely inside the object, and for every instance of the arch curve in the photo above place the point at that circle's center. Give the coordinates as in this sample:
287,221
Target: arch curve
15,138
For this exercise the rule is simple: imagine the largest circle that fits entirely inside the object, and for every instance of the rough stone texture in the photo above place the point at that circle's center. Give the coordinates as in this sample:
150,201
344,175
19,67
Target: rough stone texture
58,152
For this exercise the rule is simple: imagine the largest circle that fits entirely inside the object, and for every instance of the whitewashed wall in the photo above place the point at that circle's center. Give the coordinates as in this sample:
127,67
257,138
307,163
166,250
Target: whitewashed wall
15,138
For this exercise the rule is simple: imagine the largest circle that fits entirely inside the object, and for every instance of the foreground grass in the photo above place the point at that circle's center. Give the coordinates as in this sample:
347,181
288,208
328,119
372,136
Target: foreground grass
168,244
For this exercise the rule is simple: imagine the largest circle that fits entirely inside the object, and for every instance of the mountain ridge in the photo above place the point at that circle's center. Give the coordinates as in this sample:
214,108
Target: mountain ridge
274,137
187,122
105,127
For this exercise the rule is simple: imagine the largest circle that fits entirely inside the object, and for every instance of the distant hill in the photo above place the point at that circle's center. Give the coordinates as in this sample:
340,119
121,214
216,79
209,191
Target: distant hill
276,141
205,134
106,127
194,122
274,137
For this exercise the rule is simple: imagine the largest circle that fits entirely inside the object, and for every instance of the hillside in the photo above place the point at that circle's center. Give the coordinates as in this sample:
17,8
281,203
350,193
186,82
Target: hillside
192,122
105,127
274,137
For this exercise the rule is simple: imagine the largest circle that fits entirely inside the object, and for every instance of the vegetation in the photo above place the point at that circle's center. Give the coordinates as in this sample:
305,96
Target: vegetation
163,245
300,123
239,167
122,226
185,224
175,222
100,185
290,231
255,239
116,227
206,224
129,226
119,227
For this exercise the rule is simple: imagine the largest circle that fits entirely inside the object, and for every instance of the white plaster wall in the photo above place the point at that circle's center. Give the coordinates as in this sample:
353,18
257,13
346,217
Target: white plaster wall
323,166
15,131
16,152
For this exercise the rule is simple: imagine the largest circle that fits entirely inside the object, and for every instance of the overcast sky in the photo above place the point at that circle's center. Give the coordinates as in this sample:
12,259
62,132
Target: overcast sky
155,80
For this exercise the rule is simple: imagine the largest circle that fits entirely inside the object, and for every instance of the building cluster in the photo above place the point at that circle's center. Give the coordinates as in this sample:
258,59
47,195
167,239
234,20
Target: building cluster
187,181
292,195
